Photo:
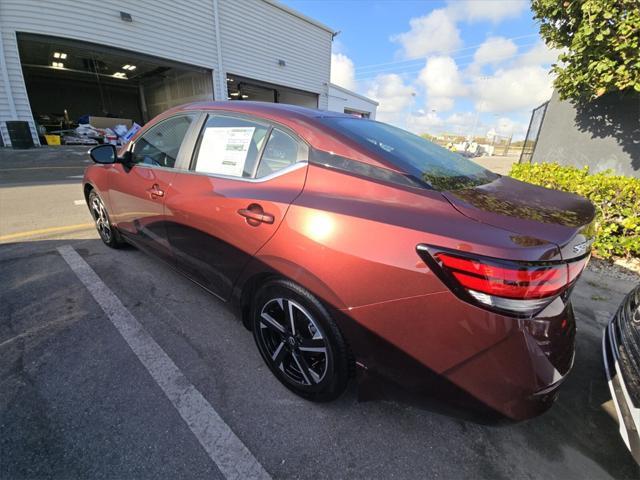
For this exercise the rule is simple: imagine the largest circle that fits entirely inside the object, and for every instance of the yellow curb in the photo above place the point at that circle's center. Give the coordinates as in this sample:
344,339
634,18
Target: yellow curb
45,231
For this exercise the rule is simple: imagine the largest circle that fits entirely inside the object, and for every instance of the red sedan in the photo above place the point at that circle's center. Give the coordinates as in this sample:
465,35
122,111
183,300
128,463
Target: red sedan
347,243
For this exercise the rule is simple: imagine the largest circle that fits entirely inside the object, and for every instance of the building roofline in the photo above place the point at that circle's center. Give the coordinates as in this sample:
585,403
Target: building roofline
357,95
301,16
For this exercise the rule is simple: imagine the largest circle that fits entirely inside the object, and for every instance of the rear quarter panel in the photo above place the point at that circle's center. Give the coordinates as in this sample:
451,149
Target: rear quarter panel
352,242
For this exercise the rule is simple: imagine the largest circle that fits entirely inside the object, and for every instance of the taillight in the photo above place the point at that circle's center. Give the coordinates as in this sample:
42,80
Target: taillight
520,288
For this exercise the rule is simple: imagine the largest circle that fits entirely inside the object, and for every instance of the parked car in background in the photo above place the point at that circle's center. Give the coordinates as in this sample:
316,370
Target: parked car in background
621,350
346,242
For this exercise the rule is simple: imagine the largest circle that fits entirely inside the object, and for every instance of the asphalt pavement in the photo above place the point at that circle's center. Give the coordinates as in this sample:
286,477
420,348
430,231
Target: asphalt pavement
111,363
41,192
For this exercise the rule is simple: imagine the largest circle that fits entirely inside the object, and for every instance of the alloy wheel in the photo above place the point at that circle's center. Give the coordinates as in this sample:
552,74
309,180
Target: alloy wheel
293,341
102,220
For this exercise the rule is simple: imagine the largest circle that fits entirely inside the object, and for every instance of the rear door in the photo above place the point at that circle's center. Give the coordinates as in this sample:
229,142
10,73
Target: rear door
138,189
244,175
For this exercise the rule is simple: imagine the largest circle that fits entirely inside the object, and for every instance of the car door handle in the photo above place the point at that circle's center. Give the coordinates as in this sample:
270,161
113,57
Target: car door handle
155,191
255,215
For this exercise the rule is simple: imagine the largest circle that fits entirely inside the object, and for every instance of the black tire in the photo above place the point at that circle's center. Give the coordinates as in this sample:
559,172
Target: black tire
108,233
294,352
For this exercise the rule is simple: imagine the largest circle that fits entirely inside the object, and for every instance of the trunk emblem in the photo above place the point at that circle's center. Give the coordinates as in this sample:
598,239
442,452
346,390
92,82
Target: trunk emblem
581,248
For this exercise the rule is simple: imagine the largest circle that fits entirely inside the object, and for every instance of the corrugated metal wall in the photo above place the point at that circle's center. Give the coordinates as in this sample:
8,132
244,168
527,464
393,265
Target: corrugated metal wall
178,30
176,89
16,84
255,35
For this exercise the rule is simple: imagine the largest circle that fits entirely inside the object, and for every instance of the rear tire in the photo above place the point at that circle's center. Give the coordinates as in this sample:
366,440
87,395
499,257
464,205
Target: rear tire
299,341
108,233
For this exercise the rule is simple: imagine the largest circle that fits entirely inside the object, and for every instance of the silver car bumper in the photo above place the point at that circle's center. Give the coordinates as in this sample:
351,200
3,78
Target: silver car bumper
628,414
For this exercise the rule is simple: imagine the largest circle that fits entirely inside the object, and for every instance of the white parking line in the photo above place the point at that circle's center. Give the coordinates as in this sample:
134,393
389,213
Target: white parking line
228,452
79,202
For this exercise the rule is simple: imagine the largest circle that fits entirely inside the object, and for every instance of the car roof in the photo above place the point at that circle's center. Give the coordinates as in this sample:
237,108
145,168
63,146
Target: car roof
264,108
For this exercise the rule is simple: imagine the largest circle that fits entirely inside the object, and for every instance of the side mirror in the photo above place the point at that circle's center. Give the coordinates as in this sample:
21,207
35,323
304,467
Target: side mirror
104,154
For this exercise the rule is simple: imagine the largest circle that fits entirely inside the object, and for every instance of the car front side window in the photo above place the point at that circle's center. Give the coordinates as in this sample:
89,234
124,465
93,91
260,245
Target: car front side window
161,144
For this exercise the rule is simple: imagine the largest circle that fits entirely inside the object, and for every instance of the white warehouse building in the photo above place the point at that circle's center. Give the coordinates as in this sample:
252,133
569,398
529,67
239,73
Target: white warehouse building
61,60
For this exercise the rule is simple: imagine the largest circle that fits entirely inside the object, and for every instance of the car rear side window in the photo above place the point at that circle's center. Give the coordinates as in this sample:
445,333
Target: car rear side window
419,158
230,146
161,144
280,151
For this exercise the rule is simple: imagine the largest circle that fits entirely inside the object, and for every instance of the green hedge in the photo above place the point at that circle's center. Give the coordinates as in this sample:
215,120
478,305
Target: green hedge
617,201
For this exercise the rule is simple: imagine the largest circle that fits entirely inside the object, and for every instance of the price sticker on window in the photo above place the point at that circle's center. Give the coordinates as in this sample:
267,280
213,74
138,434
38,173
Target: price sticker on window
224,150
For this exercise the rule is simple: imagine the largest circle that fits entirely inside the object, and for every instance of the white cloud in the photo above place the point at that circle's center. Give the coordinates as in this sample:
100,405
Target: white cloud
440,104
519,88
539,54
456,123
432,33
506,126
342,71
442,82
462,120
487,10
512,80
441,77
393,95
437,32
423,122
494,50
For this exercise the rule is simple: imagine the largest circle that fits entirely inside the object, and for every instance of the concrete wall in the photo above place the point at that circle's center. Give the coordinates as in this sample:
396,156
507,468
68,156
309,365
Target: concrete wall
604,134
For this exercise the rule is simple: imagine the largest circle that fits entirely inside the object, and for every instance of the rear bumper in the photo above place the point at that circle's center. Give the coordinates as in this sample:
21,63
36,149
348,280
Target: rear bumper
628,414
520,376
508,365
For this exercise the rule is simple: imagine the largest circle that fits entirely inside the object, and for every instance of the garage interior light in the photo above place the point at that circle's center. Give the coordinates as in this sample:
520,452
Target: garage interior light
57,64
60,55
245,96
234,94
129,67
120,75
229,79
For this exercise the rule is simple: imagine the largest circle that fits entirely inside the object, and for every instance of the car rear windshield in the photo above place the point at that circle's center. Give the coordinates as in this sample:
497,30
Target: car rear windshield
421,159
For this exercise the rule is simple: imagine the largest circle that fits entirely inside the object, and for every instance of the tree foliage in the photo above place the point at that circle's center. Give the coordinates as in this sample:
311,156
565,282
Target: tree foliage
616,198
600,44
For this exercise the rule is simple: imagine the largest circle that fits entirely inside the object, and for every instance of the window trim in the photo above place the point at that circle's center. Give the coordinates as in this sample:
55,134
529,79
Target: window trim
302,153
303,147
291,168
267,137
185,145
373,173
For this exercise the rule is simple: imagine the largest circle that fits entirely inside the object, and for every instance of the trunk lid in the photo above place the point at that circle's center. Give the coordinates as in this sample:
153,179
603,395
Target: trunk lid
534,212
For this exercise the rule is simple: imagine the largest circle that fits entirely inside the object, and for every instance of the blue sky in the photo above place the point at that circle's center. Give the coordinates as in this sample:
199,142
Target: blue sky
440,66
